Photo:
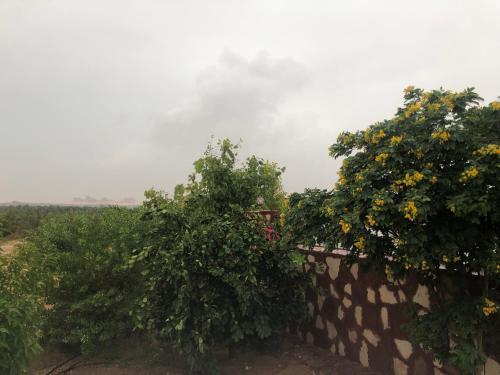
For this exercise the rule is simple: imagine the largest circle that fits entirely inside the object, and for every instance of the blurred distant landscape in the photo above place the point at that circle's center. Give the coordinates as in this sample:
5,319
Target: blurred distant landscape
79,201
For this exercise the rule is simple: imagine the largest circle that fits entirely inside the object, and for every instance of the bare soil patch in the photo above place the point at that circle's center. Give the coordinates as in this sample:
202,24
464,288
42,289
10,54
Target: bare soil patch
7,247
288,357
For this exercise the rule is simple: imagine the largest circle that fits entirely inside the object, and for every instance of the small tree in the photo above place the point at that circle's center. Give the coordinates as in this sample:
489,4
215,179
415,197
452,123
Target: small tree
89,289
213,279
419,191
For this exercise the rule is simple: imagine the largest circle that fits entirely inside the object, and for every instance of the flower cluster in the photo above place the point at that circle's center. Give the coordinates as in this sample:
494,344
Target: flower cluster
410,179
360,243
408,89
412,109
441,135
396,140
489,307
491,149
346,227
370,221
342,180
468,174
410,211
375,138
449,101
378,203
434,107
495,105
382,158
447,259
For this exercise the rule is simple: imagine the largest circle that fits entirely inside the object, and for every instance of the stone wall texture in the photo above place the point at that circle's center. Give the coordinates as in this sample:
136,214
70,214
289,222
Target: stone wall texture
360,315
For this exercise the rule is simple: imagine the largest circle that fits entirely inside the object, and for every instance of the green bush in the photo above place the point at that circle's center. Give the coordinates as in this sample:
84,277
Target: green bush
213,279
90,290
20,312
306,223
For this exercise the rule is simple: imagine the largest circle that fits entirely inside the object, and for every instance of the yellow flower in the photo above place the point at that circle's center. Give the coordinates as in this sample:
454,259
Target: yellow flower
342,180
360,243
491,149
469,173
370,221
378,203
419,153
286,203
359,177
489,307
441,135
396,140
382,157
429,165
412,108
282,219
345,138
495,105
329,211
434,107
399,242
411,179
410,211
376,137
346,227
434,179
409,89
449,101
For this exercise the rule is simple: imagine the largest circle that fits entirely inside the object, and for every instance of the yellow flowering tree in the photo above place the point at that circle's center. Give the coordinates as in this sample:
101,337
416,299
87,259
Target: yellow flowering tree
420,193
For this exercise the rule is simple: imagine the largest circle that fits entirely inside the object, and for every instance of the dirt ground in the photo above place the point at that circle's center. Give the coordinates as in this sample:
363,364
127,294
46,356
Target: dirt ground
289,356
8,246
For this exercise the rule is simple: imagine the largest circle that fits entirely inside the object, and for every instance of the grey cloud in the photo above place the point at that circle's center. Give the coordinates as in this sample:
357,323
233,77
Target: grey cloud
234,98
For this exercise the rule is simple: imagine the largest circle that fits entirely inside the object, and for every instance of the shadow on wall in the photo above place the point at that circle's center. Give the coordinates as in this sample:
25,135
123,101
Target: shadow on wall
360,315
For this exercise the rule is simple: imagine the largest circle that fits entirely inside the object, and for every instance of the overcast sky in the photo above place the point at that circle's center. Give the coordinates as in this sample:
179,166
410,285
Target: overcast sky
109,98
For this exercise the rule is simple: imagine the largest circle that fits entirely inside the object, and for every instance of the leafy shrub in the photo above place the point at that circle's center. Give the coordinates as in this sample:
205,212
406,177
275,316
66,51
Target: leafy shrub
306,223
419,191
20,312
90,290
213,279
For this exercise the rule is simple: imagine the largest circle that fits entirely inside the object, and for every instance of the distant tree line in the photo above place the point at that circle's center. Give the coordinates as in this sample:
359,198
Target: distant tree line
19,219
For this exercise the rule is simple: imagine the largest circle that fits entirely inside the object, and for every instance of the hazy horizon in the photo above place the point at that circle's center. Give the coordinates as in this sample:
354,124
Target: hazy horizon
111,98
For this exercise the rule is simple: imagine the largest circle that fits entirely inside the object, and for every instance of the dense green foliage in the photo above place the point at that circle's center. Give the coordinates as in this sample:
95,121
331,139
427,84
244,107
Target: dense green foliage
19,219
90,290
213,278
306,223
422,190
20,311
